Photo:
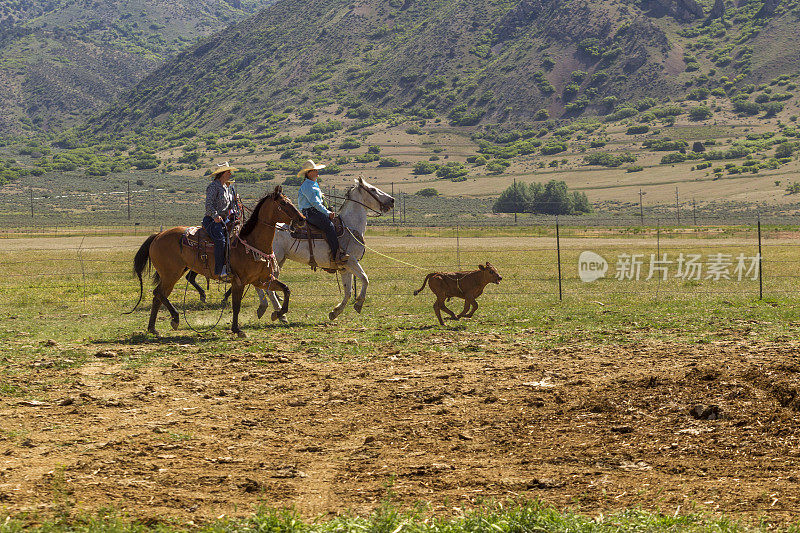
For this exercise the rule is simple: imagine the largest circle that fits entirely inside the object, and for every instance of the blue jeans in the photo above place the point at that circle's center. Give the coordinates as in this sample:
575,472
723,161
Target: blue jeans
217,233
324,223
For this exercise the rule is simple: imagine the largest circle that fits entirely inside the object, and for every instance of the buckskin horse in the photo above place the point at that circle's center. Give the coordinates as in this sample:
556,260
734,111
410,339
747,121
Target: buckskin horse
251,259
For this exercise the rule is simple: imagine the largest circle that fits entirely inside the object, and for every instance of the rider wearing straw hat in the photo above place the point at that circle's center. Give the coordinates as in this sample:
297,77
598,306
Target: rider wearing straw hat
310,203
220,203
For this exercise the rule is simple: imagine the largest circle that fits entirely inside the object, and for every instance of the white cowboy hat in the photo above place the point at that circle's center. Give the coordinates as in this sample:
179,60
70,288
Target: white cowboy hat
223,167
309,165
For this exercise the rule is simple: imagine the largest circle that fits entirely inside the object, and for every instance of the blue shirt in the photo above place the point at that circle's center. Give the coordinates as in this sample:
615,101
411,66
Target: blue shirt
311,196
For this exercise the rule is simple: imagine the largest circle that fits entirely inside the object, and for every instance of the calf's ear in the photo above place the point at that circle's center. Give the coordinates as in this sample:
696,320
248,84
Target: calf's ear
481,267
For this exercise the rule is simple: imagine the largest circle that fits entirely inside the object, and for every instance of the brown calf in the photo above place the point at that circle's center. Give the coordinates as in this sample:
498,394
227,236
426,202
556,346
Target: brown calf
467,285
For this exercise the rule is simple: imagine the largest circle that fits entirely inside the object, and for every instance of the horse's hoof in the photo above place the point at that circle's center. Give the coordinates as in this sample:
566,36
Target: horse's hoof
174,324
261,310
153,331
241,334
275,316
202,298
357,306
283,320
332,315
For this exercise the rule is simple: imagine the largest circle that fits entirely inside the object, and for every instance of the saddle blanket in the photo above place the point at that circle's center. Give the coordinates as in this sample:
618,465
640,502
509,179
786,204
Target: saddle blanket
317,233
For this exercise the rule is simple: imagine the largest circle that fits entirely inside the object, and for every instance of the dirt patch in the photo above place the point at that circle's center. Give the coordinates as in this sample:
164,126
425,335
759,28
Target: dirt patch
196,435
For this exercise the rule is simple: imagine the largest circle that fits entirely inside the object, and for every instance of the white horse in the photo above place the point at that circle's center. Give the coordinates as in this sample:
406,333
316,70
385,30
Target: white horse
358,200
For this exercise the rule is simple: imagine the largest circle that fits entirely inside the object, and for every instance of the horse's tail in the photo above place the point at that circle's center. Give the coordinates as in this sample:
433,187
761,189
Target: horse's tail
139,262
423,283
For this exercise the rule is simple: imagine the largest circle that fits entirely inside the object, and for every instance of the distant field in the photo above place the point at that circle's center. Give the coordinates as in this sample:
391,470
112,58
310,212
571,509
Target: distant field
582,403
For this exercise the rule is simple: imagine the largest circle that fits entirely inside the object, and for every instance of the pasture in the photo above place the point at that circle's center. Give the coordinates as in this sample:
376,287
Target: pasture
588,404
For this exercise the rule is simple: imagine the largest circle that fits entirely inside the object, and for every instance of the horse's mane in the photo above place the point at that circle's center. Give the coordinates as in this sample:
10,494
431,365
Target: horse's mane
252,222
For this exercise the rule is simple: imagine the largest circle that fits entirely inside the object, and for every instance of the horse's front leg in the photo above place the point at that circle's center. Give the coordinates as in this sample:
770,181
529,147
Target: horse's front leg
237,290
362,276
271,286
347,283
264,302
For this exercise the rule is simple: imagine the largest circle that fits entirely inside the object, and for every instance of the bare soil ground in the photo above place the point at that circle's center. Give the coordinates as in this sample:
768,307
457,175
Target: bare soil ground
197,434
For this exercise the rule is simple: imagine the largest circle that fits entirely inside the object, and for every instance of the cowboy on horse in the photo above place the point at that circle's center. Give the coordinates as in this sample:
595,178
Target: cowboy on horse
310,204
220,210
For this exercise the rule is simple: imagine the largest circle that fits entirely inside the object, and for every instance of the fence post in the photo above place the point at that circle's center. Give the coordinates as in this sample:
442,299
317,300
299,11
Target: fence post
129,199
31,207
458,249
393,209
760,276
658,237
558,254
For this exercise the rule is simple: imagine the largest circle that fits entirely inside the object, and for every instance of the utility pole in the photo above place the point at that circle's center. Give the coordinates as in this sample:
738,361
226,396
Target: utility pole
641,208
694,212
677,206
129,199
392,197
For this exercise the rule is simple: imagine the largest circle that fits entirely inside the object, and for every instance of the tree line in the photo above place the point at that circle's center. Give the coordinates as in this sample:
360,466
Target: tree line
552,198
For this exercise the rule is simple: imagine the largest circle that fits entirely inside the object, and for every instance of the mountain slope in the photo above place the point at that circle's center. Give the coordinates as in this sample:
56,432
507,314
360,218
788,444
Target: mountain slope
60,60
478,61
485,56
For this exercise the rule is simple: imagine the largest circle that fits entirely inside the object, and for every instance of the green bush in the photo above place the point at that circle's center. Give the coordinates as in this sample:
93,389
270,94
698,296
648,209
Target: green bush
554,148
664,145
389,162
609,160
676,157
634,168
424,167
638,129
350,143
701,112
451,170
428,192
497,166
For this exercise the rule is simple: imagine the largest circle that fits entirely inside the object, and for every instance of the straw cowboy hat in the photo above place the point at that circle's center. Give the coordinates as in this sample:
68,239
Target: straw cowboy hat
309,165
223,167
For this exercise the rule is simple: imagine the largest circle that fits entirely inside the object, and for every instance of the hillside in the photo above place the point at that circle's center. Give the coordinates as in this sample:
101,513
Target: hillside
474,61
61,60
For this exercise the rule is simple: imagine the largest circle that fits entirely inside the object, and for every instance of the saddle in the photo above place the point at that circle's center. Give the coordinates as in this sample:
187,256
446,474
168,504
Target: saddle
197,237
313,233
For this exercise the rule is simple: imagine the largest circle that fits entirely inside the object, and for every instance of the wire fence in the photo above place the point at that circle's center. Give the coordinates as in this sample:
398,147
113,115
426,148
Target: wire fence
80,272
133,206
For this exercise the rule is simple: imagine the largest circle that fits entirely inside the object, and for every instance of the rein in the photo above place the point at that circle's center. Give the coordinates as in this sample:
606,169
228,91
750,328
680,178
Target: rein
347,198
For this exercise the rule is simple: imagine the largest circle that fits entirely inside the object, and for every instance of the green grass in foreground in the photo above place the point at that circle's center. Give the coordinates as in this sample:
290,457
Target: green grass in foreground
526,517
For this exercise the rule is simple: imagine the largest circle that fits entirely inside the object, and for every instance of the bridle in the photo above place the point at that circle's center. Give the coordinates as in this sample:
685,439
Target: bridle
279,203
374,197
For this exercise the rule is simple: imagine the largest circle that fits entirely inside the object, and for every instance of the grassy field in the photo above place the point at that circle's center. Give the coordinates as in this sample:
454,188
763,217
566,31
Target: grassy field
578,405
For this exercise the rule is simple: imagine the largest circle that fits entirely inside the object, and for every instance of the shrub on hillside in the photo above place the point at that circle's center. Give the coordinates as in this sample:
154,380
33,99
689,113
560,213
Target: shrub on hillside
609,160
350,143
389,162
638,129
428,192
701,112
554,148
425,167
452,170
